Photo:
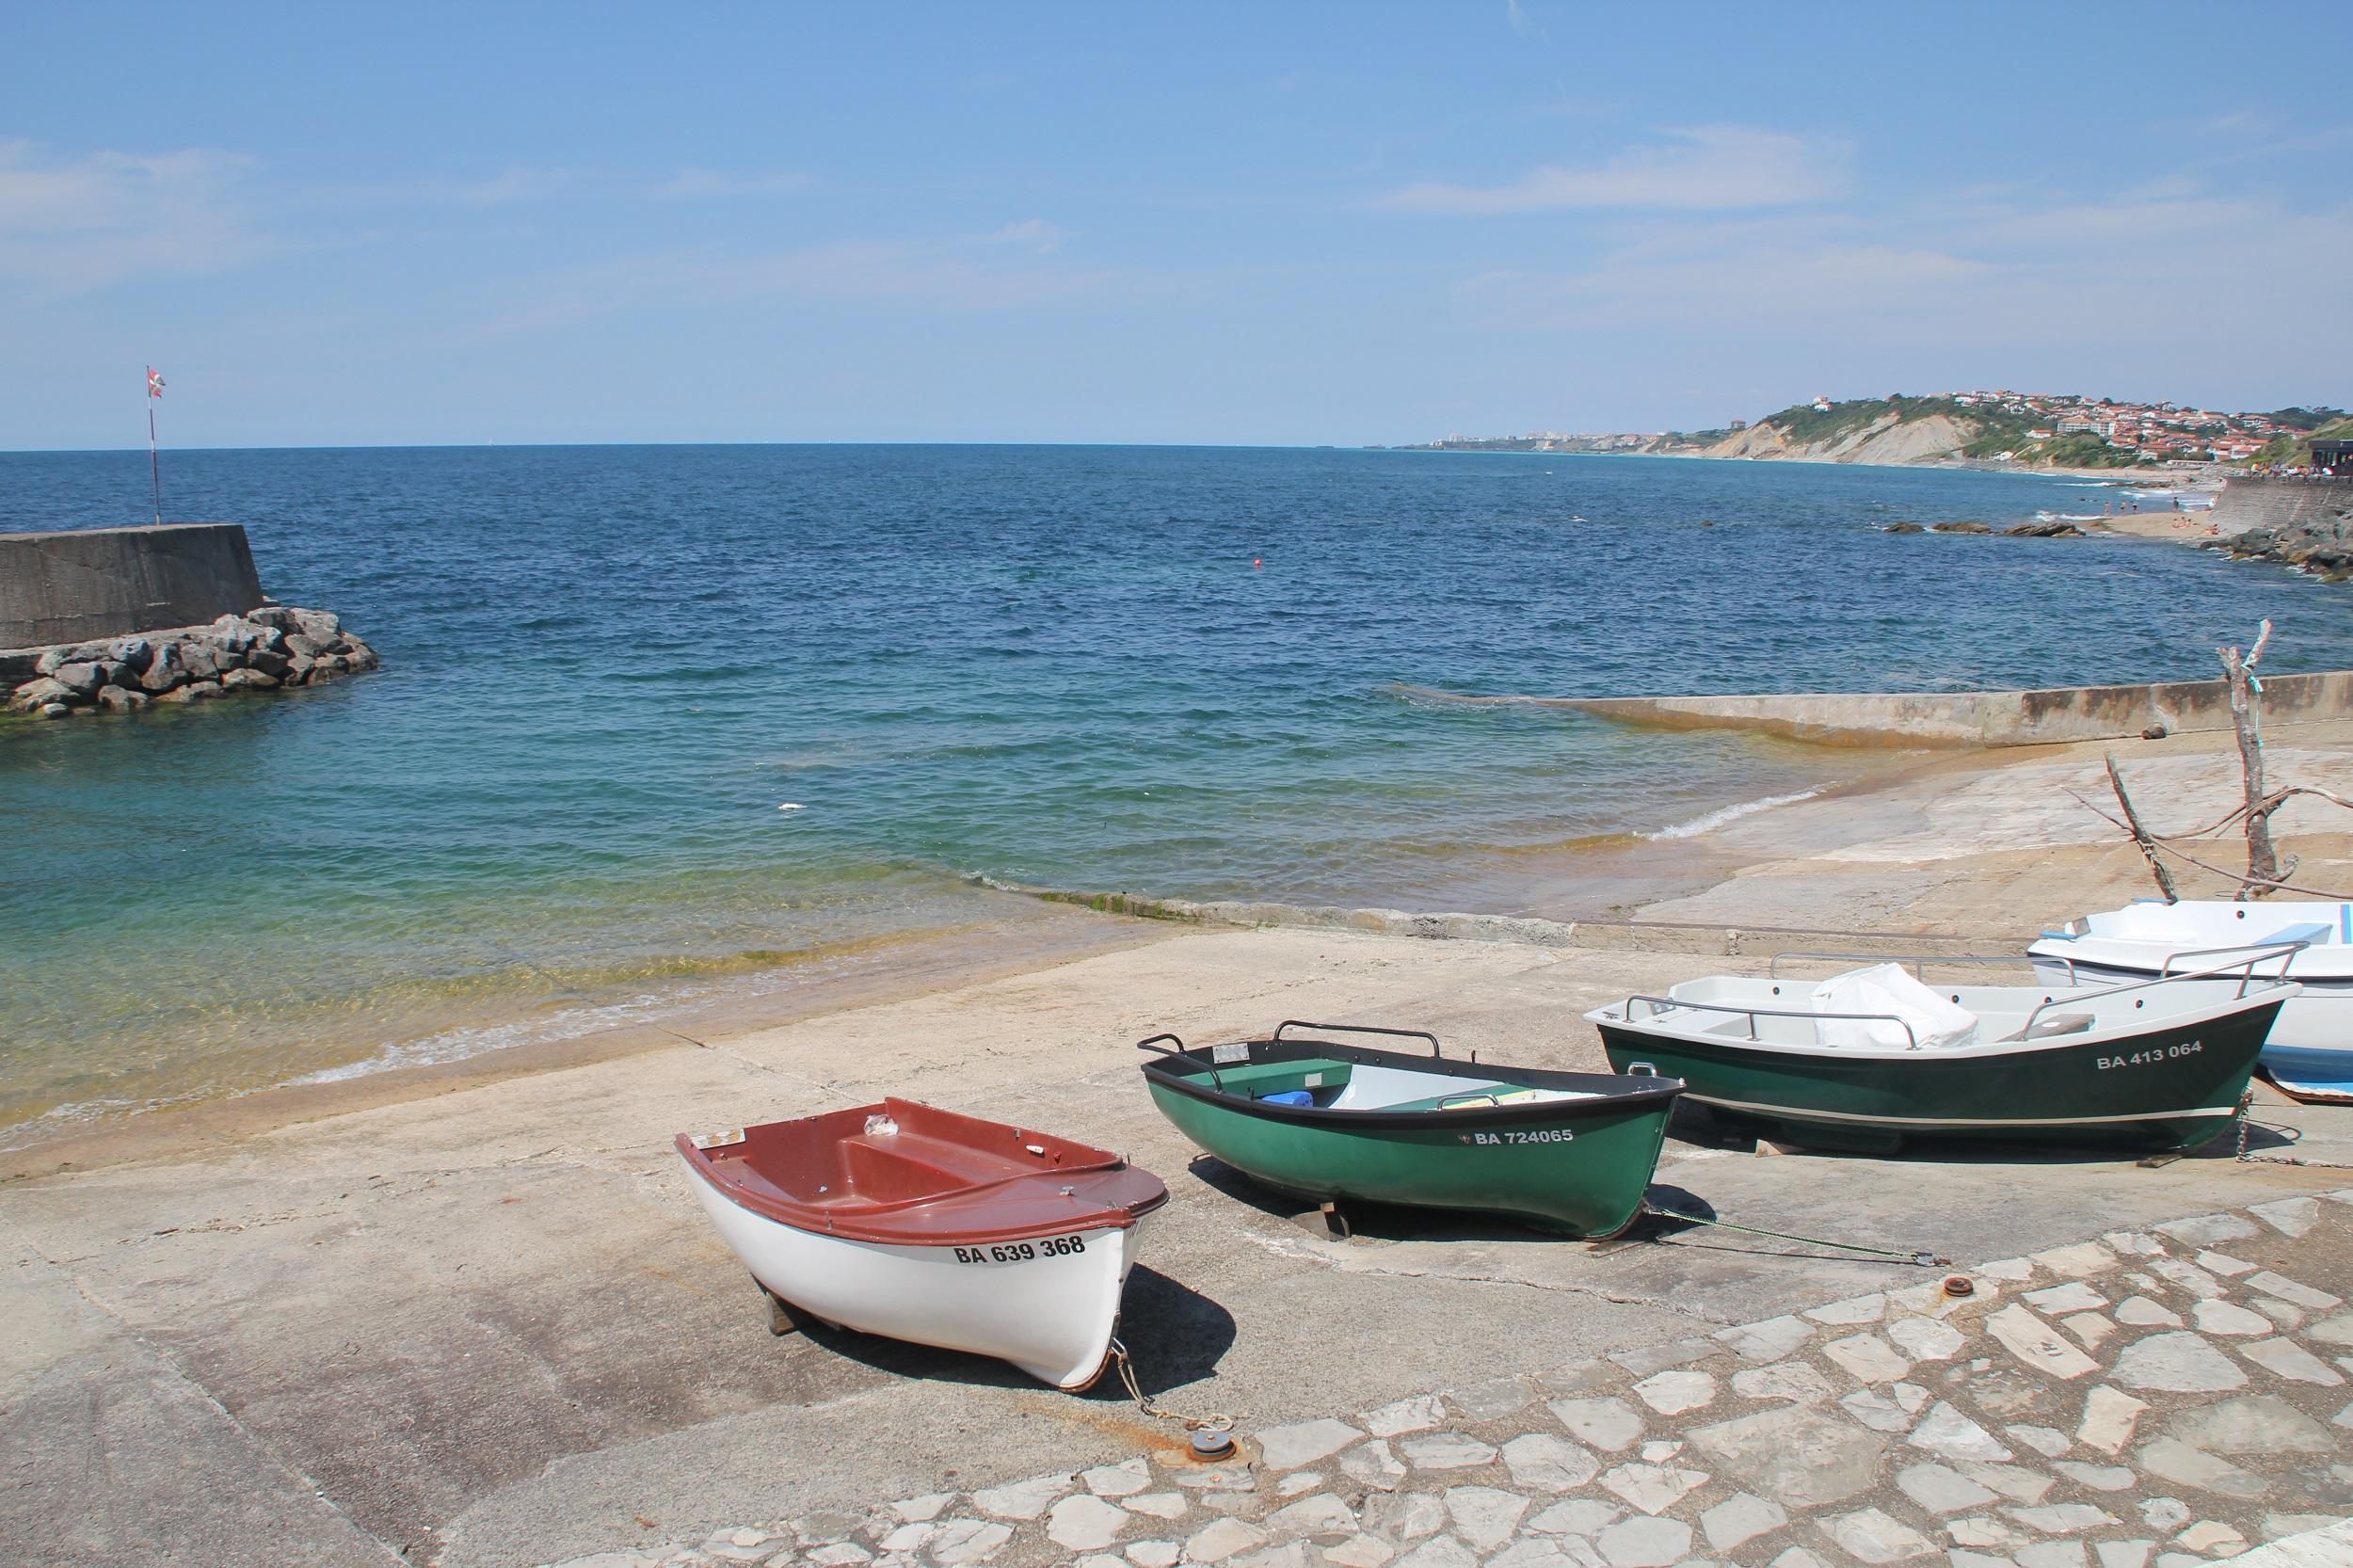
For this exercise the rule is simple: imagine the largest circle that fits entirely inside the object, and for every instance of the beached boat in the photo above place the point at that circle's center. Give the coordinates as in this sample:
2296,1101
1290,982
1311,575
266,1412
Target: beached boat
1566,1152
2310,1053
904,1220
1860,1062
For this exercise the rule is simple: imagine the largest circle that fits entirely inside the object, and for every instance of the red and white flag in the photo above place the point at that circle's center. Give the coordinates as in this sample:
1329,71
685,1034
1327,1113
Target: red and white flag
154,382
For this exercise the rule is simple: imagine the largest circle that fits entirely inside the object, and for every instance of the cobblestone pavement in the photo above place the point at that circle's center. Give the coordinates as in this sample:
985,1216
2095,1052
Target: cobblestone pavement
2148,1399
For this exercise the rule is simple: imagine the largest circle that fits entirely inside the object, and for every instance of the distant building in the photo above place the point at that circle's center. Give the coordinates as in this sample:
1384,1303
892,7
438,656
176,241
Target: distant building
1739,424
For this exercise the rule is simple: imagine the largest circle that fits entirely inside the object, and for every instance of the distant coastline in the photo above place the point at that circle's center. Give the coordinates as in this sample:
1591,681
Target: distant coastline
2002,431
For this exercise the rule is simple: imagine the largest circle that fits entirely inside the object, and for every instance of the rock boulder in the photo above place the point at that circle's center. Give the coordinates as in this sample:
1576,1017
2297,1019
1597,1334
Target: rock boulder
41,692
321,626
83,677
164,670
266,649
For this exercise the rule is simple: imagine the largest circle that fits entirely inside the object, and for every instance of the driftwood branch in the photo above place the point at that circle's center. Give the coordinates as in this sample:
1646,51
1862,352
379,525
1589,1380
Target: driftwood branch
2140,835
2238,671
2168,844
2276,886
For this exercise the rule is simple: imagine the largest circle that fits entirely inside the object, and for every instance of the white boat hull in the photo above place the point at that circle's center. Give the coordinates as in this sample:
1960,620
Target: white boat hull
2308,1050
1051,1312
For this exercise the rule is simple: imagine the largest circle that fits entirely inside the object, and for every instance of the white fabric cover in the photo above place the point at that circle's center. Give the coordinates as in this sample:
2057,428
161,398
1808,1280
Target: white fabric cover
1889,989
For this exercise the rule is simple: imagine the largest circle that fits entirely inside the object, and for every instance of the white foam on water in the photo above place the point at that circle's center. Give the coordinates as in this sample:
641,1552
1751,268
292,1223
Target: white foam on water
1718,817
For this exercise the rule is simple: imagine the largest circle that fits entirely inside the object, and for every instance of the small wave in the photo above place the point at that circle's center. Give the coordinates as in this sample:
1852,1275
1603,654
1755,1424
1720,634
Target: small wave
2091,484
2068,516
654,990
1432,696
1718,817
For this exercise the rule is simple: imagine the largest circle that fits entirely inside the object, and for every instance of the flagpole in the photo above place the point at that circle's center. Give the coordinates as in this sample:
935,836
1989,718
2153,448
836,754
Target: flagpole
154,470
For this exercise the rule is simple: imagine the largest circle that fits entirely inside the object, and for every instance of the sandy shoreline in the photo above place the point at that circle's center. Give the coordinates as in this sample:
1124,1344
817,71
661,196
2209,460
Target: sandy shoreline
470,1316
1974,851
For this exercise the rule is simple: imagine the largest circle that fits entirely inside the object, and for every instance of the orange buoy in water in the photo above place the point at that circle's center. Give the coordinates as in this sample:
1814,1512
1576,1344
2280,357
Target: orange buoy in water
1256,563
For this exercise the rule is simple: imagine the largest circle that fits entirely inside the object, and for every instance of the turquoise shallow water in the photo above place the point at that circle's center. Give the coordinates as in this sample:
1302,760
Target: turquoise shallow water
1167,670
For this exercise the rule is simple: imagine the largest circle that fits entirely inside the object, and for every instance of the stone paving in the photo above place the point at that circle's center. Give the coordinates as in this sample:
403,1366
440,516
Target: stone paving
2159,1399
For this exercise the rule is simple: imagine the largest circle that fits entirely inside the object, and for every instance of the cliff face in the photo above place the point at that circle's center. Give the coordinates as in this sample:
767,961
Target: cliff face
1888,439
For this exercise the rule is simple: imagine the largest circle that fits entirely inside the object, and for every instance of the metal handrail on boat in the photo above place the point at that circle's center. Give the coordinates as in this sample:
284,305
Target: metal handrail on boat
1183,1053
2264,952
1755,1012
1916,960
1363,1028
2244,969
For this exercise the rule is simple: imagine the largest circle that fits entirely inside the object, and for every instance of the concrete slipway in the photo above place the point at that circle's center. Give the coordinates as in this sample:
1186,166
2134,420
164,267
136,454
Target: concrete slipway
489,1326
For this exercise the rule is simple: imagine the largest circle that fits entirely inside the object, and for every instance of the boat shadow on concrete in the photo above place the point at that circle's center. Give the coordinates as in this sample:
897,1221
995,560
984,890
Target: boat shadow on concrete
1176,1336
1376,1223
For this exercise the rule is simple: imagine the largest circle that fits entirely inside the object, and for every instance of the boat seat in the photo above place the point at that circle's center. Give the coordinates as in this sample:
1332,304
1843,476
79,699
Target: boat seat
1472,1099
909,1166
2052,1025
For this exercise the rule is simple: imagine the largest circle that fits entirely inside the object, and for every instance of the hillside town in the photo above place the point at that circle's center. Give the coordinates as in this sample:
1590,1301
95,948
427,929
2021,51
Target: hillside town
1993,427
2161,430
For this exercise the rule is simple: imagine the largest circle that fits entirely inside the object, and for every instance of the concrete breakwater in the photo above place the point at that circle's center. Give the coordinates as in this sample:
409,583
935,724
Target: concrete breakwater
114,618
2038,717
73,584
2306,523
267,648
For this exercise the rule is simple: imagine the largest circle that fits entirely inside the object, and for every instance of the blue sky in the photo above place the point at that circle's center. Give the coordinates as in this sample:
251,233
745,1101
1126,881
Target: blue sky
1328,223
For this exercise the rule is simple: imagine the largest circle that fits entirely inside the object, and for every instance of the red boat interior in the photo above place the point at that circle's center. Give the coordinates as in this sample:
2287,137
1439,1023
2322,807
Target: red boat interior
913,1174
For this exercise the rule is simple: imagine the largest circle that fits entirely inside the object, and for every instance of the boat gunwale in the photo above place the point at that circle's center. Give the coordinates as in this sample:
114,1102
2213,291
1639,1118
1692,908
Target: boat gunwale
1599,1093
878,1224
1797,1073
1608,1015
2331,983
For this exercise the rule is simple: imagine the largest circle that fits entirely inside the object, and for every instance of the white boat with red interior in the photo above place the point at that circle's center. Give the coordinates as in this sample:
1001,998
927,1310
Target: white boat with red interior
921,1225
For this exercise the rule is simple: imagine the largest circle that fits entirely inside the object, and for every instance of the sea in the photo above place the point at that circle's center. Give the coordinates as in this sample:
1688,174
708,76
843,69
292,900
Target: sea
666,722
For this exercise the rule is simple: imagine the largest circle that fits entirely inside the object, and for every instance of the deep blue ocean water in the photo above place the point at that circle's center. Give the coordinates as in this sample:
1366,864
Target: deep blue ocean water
1179,671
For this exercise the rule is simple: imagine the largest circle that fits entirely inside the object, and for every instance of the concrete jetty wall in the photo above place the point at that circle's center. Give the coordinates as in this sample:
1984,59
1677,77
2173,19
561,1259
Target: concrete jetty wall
1974,718
82,584
2253,500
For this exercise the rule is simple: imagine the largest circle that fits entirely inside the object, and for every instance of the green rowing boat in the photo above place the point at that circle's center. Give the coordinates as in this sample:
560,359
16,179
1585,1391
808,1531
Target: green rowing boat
2155,1066
1570,1153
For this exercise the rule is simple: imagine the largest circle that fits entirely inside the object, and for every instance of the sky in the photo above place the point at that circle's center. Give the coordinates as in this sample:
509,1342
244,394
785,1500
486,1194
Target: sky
1251,224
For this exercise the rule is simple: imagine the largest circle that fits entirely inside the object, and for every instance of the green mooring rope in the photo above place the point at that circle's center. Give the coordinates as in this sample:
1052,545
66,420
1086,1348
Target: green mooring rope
1918,1259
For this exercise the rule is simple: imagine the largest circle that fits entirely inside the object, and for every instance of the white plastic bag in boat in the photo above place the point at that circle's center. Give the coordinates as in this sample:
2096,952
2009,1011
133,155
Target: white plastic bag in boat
1889,991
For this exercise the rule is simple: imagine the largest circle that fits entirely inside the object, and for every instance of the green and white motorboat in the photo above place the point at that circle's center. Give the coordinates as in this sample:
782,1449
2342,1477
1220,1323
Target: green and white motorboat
1569,1153
1869,1060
